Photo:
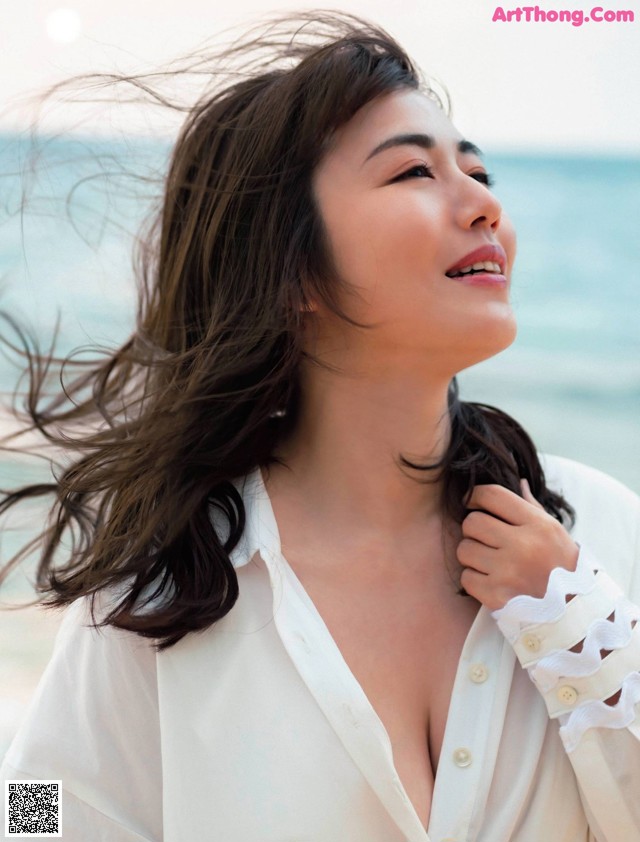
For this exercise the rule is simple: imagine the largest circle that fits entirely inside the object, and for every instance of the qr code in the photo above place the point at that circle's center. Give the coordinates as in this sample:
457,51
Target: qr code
32,808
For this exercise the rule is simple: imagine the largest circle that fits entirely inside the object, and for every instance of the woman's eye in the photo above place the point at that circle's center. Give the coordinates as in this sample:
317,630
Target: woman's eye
484,178
419,168
425,171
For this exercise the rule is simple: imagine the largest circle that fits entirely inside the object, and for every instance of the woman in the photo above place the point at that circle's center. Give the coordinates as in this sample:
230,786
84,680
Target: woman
338,603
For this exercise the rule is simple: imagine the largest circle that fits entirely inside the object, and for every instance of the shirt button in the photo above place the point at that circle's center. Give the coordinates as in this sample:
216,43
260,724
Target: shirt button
462,757
567,695
478,673
531,642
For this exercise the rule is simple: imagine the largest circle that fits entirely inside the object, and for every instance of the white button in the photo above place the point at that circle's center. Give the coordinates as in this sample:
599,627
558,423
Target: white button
531,642
567,695
462,757
478,673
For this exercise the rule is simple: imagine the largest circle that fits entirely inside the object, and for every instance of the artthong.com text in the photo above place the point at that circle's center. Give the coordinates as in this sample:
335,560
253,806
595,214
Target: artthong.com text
534,14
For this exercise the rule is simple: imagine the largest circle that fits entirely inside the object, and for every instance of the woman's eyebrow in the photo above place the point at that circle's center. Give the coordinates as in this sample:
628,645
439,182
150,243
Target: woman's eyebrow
426,141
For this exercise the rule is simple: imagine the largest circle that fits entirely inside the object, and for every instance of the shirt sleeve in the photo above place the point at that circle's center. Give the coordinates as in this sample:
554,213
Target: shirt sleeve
93,724
80,821
586,611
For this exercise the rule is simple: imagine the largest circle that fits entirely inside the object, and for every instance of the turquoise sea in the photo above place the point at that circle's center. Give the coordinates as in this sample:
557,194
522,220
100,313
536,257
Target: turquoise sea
572,377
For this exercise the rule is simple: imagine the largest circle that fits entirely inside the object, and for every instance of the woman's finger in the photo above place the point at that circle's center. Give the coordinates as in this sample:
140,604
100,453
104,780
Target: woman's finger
528,496
473,554
476,585
501,502
484,528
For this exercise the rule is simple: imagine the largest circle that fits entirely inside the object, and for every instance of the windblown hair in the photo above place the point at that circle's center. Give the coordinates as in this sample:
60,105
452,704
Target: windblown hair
208,384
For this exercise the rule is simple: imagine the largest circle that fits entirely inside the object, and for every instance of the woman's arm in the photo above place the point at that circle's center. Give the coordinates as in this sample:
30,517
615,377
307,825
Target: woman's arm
580,644
93,724
80,821
577,634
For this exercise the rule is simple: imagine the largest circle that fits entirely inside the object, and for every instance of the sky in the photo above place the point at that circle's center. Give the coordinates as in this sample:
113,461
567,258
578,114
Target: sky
515,85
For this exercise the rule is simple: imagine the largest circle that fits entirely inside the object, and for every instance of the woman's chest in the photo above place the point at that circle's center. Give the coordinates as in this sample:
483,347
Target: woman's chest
303,757
402,644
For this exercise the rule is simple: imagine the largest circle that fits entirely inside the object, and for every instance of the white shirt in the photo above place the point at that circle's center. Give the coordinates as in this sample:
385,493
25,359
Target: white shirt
255,730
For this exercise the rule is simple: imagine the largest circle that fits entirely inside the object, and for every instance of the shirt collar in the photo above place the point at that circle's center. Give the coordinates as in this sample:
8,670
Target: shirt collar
261,530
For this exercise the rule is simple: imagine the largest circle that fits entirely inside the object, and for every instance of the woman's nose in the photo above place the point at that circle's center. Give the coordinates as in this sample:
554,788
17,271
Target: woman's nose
478,206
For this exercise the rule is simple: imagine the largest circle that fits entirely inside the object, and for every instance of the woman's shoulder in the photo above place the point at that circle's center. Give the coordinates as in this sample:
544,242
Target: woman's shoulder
93,721
588,485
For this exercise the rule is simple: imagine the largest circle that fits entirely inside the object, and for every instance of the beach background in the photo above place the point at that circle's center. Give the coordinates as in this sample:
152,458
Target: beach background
566,161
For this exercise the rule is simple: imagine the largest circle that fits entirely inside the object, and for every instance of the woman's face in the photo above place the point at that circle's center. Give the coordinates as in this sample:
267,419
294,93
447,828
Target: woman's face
398,221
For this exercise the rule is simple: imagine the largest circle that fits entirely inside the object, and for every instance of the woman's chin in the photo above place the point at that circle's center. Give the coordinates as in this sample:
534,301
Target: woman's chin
488,340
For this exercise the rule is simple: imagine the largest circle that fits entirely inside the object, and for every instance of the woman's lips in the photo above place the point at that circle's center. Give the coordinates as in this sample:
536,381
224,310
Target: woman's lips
481,279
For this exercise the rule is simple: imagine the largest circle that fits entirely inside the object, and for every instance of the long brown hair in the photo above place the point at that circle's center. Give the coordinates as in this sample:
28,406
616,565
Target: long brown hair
208,383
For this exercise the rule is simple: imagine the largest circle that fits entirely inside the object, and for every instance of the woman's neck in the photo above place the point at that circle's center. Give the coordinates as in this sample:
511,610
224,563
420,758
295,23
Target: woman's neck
343,455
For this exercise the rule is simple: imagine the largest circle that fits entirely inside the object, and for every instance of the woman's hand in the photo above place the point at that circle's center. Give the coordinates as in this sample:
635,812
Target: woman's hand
511,546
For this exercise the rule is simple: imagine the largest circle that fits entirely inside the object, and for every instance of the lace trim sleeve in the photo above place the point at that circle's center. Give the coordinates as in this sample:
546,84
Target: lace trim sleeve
580,644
